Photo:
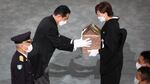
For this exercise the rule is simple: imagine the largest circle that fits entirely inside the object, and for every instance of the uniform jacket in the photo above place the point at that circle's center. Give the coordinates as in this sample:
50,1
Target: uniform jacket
21,70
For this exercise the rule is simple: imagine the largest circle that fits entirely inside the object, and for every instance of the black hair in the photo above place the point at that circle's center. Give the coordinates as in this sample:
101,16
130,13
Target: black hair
103,7
145,73
63,10
146,56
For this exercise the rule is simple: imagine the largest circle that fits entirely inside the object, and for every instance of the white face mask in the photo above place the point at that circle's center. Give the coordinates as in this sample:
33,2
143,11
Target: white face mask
29,48
62,23
136,81
101,19
138,65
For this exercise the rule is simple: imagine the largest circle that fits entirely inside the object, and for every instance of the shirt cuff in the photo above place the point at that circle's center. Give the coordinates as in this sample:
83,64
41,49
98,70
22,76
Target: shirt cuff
71,42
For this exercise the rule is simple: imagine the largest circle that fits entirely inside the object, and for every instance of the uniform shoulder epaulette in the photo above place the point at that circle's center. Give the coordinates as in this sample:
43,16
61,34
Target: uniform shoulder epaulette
21,58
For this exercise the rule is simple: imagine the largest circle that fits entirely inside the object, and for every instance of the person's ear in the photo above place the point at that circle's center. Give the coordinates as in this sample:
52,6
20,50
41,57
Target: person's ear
142,60
59,17
20,45
24,47
105,14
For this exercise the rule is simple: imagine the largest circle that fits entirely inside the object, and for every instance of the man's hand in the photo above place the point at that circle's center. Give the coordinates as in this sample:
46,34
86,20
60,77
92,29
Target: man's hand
82,43
93,52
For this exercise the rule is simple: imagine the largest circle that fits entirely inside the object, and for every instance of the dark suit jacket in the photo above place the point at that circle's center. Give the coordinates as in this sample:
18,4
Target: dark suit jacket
21,70
45,41
111,56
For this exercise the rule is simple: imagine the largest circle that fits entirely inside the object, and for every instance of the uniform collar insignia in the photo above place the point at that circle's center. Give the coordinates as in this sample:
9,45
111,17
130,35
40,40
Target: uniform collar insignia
21,58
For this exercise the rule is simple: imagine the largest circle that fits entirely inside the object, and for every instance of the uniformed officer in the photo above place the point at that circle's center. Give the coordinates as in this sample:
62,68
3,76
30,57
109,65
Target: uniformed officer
21,71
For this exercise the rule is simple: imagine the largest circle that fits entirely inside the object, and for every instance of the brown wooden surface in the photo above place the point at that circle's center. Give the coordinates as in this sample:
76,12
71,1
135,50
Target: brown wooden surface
95,43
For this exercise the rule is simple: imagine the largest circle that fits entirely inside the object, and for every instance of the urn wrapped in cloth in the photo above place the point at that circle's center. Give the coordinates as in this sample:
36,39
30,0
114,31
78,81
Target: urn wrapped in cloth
92,32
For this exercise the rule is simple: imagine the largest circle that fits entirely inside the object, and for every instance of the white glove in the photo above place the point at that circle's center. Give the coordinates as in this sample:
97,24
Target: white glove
93,52
82,43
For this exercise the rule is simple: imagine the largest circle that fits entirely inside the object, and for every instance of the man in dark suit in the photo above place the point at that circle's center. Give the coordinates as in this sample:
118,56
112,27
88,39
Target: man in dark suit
21,70
47,39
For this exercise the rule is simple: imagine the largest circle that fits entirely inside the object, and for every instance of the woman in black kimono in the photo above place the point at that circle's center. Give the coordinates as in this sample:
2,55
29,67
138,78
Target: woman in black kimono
111,60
